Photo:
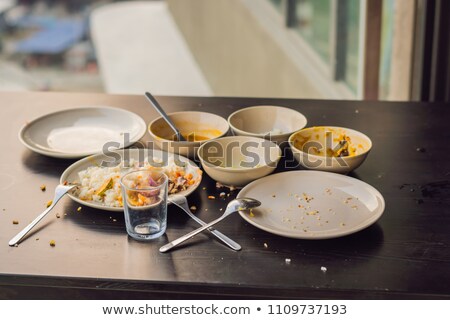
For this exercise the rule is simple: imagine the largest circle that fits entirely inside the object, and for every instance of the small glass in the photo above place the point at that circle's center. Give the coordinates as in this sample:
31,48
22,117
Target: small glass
144,194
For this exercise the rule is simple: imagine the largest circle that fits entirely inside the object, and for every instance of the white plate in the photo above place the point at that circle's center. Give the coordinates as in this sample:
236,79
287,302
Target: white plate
76,133
337,205
114,158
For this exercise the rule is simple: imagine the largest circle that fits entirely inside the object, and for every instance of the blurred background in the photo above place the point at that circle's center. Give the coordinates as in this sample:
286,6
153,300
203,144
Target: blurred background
322,49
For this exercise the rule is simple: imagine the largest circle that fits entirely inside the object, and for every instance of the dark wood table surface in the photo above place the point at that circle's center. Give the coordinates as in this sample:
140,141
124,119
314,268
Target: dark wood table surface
406,254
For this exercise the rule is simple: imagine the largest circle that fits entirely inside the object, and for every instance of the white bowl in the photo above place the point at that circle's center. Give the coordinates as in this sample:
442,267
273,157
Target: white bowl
259,121
313,148
236,161
205,124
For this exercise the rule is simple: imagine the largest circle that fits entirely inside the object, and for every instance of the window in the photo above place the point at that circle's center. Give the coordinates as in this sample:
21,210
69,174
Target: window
313,23
278,4
351,44
332,29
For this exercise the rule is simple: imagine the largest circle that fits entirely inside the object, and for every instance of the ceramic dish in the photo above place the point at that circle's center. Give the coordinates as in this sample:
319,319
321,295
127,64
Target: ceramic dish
317,148
114,158
236,161
259,121
76,133
206,126
312,204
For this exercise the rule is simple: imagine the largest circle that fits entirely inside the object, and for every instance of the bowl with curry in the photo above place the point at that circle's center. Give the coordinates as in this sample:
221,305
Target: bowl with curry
333,149
196,128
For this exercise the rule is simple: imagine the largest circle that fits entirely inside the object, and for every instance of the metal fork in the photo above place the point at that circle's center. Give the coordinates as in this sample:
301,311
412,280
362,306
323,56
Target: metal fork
181,202
60,191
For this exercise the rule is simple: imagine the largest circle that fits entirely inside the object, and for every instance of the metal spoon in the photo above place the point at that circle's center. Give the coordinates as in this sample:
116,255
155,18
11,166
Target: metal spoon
181,202
60,191
233,206
163,114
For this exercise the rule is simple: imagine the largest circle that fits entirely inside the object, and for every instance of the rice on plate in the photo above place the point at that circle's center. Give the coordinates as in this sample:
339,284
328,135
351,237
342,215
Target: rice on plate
101,185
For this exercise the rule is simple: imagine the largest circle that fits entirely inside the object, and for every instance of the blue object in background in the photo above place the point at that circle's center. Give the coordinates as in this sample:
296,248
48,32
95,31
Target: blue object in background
56,36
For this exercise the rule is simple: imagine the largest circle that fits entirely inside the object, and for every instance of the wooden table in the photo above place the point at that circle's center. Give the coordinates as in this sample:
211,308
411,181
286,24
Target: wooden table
406,254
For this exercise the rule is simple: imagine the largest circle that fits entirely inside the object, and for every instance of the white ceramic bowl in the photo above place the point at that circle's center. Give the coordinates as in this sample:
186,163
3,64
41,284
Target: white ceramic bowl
236,161
205,124
313,148
259,121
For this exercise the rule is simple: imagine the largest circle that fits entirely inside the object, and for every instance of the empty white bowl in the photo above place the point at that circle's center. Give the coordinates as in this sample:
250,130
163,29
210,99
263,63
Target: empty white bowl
204,124
316,148
236,161
259,121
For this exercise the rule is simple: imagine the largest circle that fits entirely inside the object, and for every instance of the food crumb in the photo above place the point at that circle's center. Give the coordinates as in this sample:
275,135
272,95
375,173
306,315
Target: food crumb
232,188
43,187
193,208
211,197
287,260
342,224
307,198
49,203
323,269
204,188
37,239
355,207
57,215
16,245
52,243
79,209
265,245
219,185
15,222
114,220
222,194
312,213
251,212
273,196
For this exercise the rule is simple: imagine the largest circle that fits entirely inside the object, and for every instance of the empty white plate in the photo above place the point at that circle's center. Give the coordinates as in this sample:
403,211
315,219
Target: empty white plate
76,133
312,204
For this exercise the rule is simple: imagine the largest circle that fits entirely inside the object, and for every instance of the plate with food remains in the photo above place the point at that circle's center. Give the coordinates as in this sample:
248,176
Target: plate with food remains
98,176
79,132
312,204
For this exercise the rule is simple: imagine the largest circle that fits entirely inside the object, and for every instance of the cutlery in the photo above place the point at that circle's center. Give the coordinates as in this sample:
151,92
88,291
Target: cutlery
233,206
181,202
60,191
163,114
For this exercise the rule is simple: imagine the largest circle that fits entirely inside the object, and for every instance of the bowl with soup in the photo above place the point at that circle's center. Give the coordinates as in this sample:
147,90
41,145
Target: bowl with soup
333,149
196,127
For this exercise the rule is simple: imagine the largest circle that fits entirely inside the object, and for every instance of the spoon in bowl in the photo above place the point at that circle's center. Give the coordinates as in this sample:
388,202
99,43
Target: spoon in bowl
233,206
163,114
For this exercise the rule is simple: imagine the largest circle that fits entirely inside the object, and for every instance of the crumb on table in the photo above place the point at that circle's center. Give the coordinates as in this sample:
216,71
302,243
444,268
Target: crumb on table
43,187
52,243
15,222
49,203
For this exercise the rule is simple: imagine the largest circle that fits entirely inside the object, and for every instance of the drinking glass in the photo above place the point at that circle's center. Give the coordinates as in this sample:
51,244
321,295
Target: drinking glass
144,194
